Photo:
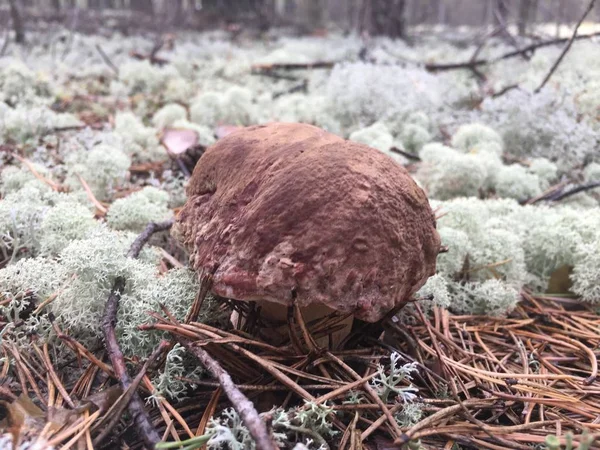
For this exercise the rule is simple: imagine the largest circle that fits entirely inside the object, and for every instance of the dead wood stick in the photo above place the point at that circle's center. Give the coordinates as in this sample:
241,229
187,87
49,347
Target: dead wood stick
113,415
567,47
140,241
107,60
142,422
482,62
371,392
584,187
407,155
261,68
243,406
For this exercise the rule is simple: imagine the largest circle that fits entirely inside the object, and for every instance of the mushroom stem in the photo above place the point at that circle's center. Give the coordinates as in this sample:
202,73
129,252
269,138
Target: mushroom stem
277,314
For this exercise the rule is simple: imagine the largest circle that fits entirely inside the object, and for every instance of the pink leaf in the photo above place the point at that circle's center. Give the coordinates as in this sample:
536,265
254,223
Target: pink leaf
178,140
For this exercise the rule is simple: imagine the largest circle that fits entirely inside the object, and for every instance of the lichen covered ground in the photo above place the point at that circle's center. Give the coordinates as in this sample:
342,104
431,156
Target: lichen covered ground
86,165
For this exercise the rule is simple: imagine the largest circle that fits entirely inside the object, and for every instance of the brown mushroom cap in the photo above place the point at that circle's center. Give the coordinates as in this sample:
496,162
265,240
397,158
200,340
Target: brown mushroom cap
284,211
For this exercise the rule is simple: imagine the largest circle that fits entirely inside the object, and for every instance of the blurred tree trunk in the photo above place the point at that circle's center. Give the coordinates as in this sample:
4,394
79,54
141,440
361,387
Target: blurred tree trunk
15,15
145,6
559,16
173,10
527,10
384,18
441,11
56,5
351,14
311,13
500,12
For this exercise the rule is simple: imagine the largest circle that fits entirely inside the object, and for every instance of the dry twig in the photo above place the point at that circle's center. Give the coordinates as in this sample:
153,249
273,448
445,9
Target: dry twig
567,47
136,407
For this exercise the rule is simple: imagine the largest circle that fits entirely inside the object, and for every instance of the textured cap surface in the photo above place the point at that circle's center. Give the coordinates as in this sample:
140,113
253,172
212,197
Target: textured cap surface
283,211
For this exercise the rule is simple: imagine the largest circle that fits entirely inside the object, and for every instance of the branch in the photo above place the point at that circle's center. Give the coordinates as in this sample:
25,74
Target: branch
524,50
142,422
6,42
575,190
504,90
567,47
113,415
261,68
107,60
144,237
504,31
405,154
243,406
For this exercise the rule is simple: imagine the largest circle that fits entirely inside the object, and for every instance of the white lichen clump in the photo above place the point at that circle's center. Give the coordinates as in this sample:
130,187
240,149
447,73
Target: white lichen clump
446,173
104,168
233,107
376,136
469,136
414,137
25,124
592,173
495,247
139,142
516,182
300,425
63,223
136,210
541,125
168,114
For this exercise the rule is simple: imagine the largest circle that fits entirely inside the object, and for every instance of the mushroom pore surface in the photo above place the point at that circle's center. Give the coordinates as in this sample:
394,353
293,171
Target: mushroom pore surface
289,212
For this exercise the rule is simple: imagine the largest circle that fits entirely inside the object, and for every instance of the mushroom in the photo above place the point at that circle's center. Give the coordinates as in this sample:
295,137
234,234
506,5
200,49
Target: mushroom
287,212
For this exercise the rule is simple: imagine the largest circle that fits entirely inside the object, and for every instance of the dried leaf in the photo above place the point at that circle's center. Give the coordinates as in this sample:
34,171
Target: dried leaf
103,400
60,417
178,140
560,281
23,418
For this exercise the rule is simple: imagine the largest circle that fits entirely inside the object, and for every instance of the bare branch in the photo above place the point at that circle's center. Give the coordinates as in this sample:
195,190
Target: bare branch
512,54
142,422
240,402
567,47
107,60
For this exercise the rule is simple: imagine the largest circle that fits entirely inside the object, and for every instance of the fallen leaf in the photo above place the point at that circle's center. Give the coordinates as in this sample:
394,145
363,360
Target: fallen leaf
23,418
178,140
560,281
104,400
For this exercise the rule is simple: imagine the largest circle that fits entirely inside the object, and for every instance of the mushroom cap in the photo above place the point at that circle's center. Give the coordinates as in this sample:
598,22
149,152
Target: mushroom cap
289,212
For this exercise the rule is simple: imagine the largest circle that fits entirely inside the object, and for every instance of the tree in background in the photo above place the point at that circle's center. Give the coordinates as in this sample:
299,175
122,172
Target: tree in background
17,22
527,14
384,17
